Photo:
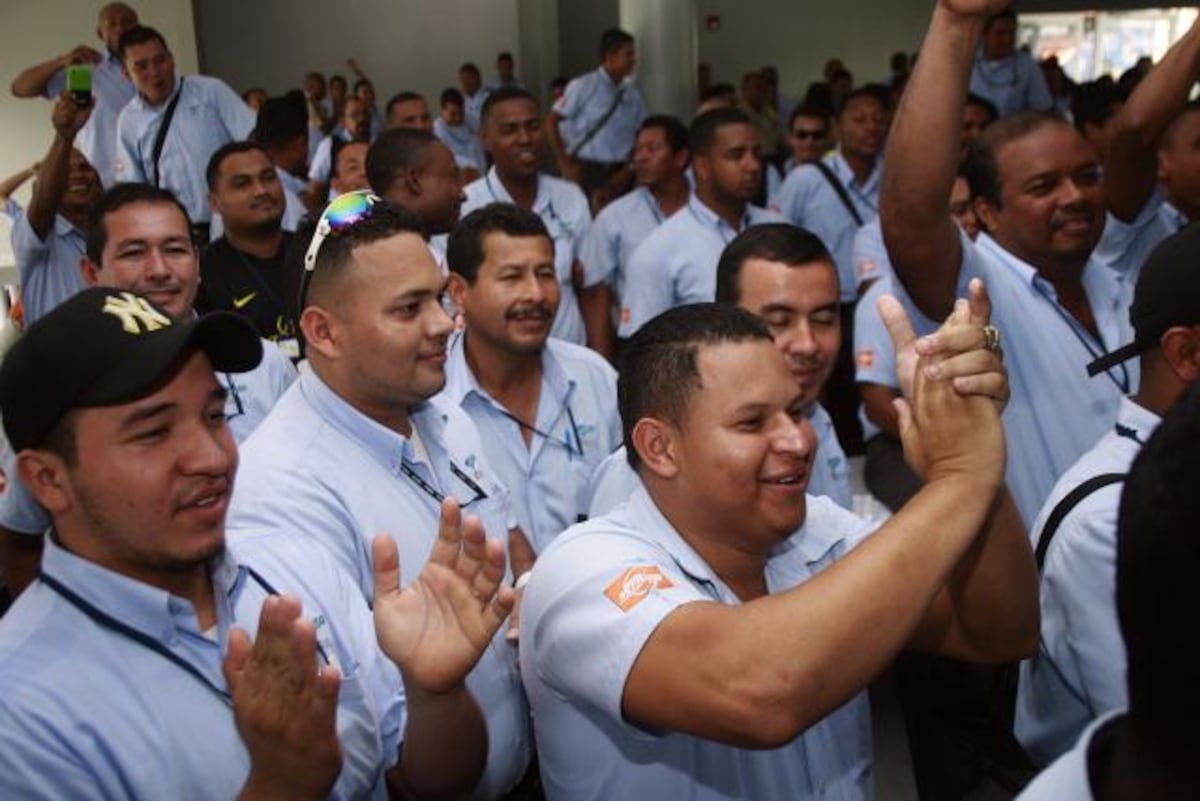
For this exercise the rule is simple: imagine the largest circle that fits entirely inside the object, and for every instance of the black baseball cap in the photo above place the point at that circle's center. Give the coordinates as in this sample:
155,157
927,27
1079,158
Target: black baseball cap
104,347
1167,294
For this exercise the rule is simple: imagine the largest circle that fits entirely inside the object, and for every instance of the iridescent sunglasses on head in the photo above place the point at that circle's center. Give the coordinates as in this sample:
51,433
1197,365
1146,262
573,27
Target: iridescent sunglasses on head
341,213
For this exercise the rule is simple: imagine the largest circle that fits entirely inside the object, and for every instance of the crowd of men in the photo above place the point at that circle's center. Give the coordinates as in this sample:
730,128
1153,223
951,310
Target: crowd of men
502,452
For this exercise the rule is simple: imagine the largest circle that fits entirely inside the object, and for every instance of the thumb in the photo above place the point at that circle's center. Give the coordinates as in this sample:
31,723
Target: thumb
236,657
386,566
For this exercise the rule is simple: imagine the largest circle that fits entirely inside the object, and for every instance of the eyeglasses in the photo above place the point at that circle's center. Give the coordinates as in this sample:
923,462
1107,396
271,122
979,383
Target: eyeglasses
803,134
342,212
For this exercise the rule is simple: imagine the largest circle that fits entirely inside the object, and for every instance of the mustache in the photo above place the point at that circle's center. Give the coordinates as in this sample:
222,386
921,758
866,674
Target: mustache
1064,218
536,311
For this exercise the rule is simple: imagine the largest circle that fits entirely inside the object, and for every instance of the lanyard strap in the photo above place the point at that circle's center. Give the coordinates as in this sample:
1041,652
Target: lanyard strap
575,449
107,621
433,492
1122,382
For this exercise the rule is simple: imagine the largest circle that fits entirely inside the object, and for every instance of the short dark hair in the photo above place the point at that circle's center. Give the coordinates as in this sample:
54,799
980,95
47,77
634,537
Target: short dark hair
1158,569
337,79
676,132
809,110
213,171
139,34
877,92
781,242
335,150
1172,130
989,108
983,175
659,365
504,55
117,198
464,249
402,97
502,95
1093,104
1009,13
614,39
468,67
281,120
396,151
361,82
334,257
704,128
451,95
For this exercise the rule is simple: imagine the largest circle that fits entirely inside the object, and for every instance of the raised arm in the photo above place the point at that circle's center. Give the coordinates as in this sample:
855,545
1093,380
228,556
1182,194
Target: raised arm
67,118
1130,168
758,674
922,157
33,81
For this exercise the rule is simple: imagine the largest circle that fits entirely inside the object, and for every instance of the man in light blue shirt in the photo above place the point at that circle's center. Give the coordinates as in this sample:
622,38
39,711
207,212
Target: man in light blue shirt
810,198
207,114
474,95
512,135
137,630
111,88
546,409
677,263
140,241
592,126
679,648
451,127
1041,198
360,446
660,158
48,240
1079,670
1148,751
1008,77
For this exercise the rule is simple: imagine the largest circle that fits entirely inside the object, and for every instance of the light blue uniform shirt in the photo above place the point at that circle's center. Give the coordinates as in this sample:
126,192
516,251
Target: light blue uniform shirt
614,481
808,200
567,217
462,141
1126,245
473,109
1068,779
209,115
618,230
1078,671
250,397
677,262
111,91
869,255
49,269
89,712
320,469
585,102
1056,412
575,428
578,648
1012,84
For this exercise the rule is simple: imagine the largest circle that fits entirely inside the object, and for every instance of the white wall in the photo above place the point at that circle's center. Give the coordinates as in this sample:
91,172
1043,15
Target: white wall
798,37
401,44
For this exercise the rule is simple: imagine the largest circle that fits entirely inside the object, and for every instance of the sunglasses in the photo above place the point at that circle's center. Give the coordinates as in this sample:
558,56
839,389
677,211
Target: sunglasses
343,212
803,134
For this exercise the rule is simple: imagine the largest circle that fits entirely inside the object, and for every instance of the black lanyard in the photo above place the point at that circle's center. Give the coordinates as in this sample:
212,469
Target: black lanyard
237,399
564,231
1122,382
433,492
573,450
649,198
107,621
720,233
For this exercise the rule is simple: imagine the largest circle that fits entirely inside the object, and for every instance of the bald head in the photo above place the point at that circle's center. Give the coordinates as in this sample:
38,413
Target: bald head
112,21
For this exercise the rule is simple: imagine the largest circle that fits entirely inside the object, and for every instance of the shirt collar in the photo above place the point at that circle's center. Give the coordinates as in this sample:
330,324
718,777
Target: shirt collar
462,382
499,193
388,448
812,542
842,169
1142,421
711,219
148,609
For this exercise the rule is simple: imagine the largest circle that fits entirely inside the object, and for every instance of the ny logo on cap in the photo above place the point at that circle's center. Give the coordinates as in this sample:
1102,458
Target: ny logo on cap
132,311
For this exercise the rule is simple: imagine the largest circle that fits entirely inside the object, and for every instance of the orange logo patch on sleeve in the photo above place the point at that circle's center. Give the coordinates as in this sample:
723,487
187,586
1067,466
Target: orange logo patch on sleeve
866,268
631,587
626,315
865,358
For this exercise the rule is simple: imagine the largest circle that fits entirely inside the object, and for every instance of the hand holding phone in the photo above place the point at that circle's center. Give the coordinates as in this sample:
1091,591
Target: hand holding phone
79,84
